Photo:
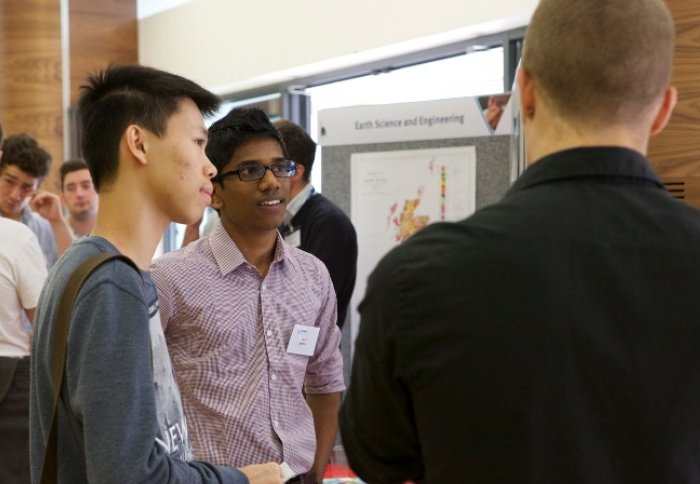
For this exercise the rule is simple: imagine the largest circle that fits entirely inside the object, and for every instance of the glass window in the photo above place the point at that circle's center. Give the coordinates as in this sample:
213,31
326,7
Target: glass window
472,74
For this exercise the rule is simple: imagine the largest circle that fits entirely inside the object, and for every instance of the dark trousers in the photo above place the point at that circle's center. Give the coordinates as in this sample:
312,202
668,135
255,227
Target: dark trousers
14,420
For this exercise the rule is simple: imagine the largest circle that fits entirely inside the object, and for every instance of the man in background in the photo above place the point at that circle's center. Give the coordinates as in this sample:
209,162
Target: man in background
23,167
315,224
22,275
79,197
553,336
250,320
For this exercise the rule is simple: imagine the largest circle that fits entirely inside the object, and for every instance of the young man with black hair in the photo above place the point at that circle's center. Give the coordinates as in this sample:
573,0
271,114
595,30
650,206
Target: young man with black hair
120,416
79,196
554,336
250,320
315,224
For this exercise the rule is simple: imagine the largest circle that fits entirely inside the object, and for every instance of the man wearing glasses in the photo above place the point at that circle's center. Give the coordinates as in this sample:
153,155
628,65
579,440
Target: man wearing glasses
250,320
23,166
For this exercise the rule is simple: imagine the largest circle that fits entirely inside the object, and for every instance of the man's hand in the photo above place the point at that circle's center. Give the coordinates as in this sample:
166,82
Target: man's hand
47,204
269,473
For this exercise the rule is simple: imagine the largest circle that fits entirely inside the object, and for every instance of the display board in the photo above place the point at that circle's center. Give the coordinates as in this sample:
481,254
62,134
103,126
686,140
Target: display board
396,168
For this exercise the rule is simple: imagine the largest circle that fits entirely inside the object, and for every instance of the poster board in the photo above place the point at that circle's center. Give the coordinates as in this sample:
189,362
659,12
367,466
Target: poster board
395,144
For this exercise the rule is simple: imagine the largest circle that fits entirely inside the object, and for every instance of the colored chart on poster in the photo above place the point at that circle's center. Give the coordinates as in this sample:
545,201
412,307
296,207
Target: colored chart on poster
395,194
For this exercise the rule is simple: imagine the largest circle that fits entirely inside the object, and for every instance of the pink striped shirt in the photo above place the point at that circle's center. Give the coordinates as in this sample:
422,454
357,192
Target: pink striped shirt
227,331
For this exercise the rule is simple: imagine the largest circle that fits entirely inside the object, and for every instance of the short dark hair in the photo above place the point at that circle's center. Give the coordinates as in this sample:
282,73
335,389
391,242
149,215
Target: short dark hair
69,166
302,149
23,151
130,94
238,127
1,133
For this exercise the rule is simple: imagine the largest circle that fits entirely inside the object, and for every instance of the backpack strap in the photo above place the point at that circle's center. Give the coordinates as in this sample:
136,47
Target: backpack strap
49,466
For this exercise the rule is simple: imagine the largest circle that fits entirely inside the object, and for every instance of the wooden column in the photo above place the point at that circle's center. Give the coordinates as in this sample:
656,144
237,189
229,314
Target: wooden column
31,62
30,72
101,32
676,152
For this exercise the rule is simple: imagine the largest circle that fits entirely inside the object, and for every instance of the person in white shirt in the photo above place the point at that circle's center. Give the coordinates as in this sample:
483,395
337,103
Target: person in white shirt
22,275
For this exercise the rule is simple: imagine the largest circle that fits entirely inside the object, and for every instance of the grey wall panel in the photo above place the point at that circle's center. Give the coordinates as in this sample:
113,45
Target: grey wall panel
492,166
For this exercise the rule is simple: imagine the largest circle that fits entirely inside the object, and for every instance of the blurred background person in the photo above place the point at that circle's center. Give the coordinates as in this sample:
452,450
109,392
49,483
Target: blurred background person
23,167
313,223
79,196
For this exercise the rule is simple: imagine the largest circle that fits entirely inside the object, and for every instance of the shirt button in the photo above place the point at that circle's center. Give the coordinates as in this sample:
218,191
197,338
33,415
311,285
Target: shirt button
269,332
274,377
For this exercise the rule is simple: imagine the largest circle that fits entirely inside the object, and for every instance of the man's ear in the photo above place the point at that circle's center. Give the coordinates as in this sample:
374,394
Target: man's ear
665,110
135,139
299,174
527,95
0,154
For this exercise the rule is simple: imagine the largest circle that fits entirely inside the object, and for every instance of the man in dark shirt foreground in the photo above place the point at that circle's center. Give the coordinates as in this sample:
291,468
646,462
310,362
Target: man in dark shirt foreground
554,336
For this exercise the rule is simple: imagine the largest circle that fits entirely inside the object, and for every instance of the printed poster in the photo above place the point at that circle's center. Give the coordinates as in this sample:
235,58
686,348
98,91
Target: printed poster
395,194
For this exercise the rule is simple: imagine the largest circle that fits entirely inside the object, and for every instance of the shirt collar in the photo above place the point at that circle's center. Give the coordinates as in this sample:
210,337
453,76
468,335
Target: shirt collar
26,215
298,201
229,257
601,162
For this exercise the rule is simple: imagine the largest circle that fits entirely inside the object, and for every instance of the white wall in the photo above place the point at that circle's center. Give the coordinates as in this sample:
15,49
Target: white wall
230,45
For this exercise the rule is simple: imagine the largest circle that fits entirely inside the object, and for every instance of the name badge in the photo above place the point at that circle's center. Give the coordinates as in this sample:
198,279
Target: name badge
303,340
294,238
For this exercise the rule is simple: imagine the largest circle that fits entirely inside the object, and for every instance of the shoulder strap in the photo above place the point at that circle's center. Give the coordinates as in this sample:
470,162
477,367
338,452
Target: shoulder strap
65,312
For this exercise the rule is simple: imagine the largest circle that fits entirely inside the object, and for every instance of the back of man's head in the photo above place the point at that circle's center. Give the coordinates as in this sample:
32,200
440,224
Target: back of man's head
301,148
600,61
120,96
69,166
235,129
23,151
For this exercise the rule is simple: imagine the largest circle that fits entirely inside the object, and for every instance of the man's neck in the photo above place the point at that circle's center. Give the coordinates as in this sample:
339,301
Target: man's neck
16,216
258,248
82,226
132,224
297,199
557,135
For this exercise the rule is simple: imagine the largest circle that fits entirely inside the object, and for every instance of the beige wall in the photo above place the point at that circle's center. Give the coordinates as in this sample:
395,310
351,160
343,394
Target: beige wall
30,66
246,43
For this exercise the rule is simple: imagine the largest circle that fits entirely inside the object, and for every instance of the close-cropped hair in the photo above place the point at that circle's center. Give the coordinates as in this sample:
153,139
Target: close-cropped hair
235,129
69,166
301,147
23,151
600,61
1,133
122,95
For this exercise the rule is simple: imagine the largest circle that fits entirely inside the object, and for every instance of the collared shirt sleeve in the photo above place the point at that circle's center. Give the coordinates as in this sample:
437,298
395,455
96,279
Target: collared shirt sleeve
324,373
44,234
159,274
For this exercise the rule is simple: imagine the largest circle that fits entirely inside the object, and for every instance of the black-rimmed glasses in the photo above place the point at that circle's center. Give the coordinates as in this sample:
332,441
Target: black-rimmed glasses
256,171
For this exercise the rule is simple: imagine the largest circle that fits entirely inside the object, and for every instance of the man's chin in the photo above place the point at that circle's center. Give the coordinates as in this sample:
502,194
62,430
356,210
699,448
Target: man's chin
11,212
82,214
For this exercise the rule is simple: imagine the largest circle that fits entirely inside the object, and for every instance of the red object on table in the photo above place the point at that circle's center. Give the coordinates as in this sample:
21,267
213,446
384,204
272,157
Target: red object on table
335,471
